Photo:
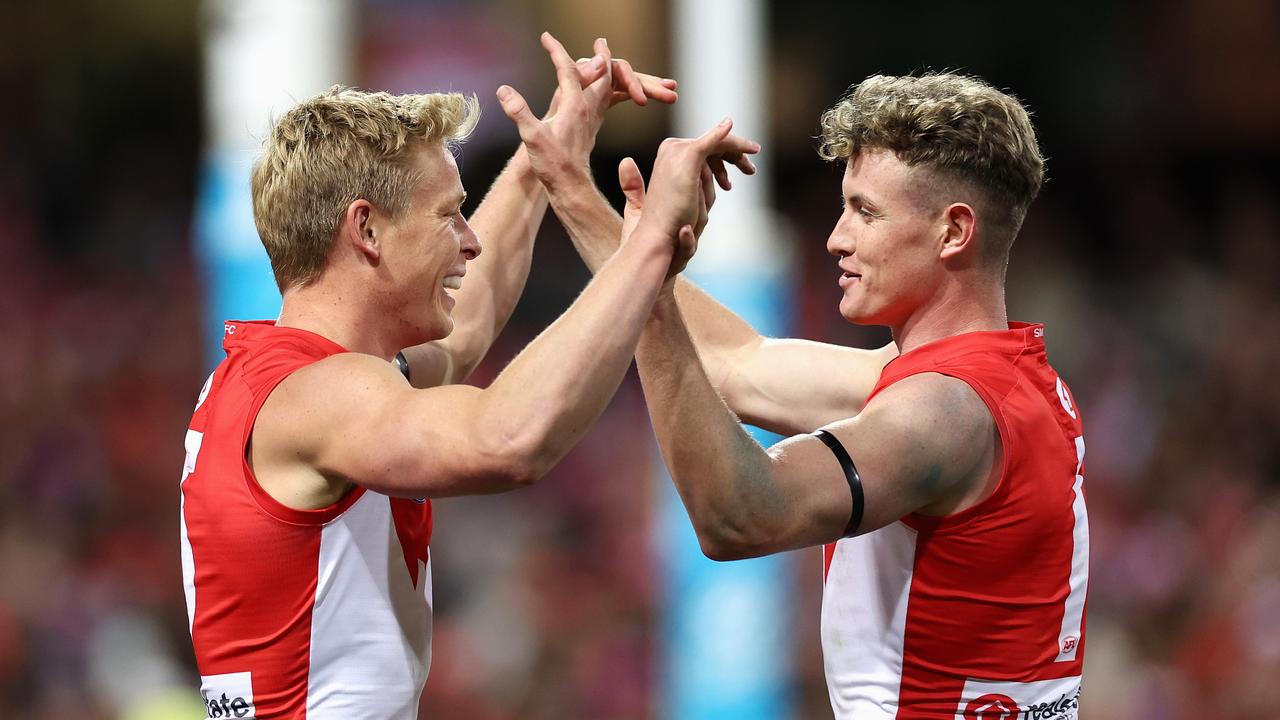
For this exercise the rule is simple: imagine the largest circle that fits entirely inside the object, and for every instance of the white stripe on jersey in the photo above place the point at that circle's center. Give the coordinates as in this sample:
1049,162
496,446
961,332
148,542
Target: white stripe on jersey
864,620
353,625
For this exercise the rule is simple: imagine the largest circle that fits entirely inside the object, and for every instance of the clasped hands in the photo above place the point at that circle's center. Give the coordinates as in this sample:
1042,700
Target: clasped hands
685,173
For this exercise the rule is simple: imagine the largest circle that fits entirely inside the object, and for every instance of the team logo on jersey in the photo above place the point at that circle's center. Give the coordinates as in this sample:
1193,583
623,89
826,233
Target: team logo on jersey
228,696
992,706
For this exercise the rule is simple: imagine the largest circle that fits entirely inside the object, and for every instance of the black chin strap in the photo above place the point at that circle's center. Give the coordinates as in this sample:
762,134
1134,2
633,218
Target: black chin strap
850,475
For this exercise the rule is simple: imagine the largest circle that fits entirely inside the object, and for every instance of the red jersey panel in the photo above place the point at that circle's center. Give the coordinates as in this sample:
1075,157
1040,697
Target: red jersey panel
978,615
295,613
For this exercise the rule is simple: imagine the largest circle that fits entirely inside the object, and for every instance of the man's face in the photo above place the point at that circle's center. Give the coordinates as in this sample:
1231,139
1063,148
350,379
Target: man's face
426,249
888,240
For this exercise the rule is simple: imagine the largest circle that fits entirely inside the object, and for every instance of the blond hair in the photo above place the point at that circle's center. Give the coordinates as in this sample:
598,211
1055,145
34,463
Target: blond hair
959,127
336,148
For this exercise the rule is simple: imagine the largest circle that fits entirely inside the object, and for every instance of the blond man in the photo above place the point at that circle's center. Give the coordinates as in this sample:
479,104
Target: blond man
312,458
948,493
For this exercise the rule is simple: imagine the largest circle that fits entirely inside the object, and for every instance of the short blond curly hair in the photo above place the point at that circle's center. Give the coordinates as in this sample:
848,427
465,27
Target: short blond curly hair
333,149
960,127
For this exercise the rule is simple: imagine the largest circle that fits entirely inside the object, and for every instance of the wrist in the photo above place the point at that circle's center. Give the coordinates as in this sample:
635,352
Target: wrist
665,310
569,182
572,190
520,169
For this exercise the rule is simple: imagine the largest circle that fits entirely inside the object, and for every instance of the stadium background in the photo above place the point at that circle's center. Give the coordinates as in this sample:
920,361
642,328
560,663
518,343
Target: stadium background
1152,255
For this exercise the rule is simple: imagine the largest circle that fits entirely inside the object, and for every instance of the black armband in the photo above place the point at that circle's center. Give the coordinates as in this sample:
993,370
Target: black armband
403,364
850,475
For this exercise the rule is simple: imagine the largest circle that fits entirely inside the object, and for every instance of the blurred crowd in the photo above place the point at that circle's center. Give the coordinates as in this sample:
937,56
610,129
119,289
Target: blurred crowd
1152,257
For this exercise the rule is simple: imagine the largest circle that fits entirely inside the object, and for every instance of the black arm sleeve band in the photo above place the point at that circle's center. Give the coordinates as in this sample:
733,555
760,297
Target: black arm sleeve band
850,474
403,364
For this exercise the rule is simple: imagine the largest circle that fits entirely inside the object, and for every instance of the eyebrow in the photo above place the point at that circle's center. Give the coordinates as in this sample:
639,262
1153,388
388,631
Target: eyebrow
859,199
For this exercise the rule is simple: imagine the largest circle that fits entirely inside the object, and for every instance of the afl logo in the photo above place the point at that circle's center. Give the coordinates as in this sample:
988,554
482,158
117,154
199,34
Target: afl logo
992,706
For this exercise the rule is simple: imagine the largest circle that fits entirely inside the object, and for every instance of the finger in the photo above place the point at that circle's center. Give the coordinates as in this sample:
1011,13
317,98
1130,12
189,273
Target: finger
708,187
566,70
631,182
688,241
625,79
617,97
742,162
735,145
514,105
709,142
716,164
660,89
586,75
605,82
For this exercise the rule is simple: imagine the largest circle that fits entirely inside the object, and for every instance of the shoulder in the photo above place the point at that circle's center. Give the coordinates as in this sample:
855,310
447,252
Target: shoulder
928,399
340,376
934,423
325,396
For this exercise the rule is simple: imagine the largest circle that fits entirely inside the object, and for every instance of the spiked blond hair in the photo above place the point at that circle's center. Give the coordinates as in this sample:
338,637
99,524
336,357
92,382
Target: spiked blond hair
333,149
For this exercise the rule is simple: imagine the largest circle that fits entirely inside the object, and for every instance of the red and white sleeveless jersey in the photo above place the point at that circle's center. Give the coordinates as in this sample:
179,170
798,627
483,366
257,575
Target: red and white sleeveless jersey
295,613
978,615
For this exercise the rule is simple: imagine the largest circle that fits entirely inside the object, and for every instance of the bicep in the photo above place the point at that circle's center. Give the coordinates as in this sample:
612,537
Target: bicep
795,386
358,420
924,441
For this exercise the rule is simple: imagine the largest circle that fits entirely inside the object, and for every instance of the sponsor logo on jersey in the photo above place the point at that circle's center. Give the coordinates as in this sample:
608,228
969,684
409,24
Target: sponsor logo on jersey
228,696
992,706
1053,700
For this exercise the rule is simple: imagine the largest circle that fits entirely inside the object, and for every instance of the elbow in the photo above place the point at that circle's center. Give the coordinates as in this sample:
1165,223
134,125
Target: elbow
723,540
516,458
720,551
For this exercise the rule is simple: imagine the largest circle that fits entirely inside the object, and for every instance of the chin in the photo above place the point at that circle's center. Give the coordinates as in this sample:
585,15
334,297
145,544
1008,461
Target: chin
854,314
864,316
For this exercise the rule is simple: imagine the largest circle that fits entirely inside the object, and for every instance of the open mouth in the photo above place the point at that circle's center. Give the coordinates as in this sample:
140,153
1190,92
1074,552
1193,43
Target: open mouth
452,282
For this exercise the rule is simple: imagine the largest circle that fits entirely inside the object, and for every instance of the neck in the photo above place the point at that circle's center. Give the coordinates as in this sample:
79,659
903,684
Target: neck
962,310
343,317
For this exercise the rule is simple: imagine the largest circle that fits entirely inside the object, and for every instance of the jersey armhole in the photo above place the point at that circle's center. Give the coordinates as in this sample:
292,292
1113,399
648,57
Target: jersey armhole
920,522
268,504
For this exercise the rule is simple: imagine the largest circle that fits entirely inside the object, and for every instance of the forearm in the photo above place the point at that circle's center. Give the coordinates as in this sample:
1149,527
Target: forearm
506,223
594,227
723,476
544,401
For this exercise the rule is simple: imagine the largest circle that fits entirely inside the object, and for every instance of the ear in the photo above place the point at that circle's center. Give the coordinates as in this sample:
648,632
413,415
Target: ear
960,224
358,229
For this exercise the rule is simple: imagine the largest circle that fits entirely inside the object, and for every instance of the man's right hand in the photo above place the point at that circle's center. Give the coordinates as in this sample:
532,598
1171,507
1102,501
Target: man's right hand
682,187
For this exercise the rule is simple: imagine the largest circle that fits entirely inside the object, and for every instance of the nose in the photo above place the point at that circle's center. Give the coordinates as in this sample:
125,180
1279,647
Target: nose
840,243
470,244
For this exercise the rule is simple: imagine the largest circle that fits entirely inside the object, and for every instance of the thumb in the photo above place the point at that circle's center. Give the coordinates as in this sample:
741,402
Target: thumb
514,105
632,183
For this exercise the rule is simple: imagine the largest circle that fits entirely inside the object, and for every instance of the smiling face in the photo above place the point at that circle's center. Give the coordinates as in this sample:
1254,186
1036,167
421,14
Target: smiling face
424,251
889,240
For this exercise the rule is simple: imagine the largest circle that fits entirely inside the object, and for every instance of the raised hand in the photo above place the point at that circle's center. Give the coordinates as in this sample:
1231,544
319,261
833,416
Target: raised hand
682,188
627,83
560,144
